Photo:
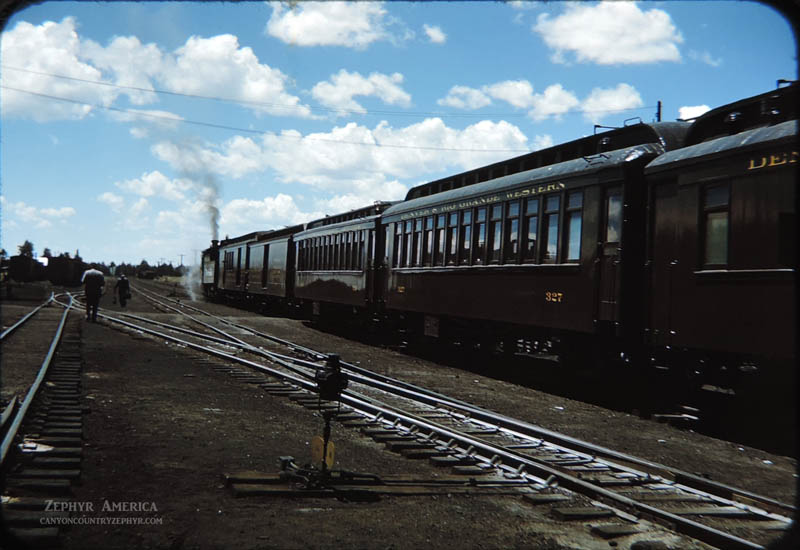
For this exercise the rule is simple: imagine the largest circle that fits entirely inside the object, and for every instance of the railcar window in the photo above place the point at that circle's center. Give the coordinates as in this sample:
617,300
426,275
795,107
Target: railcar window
614,217
511,245
495,233
550,228
398,243
440,240
360,257
347,238
479,254
452,235
531,225
427,247
409,241
464,247
716,202
574,224
352,245
344,250
264,267
418,241
341,260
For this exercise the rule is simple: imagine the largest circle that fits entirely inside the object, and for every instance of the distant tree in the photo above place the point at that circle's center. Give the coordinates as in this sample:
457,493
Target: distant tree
64,255
3,253
47,253
26,249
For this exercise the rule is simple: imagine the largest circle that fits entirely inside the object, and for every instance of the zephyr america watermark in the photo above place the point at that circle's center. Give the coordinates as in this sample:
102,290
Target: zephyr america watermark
86,507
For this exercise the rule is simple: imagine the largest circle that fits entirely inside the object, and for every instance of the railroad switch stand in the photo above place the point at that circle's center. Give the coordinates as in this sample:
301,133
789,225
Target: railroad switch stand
322,481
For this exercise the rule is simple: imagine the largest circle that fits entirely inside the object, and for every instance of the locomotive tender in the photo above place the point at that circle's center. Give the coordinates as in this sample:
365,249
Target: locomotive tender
670,243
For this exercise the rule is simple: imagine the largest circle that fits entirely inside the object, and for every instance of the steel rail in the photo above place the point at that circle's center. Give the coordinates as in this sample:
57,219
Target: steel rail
23,408
684,526
412,391
270,337
24,319
209,327
493,453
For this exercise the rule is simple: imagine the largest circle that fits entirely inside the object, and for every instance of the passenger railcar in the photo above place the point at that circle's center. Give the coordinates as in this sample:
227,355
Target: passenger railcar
337,268
722,241
233,260
555,252
271,265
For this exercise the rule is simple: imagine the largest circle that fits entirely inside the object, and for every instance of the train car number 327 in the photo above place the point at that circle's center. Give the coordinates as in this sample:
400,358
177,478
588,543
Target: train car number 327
553,296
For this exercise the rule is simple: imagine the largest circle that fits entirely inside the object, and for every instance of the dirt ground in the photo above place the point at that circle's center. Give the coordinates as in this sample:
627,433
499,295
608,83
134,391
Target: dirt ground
165,427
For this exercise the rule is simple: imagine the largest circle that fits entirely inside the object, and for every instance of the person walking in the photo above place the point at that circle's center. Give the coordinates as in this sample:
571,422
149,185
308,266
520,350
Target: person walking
123,289
93,282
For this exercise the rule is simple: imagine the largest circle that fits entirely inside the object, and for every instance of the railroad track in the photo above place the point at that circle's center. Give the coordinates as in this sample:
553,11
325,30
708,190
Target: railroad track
42,425
422,424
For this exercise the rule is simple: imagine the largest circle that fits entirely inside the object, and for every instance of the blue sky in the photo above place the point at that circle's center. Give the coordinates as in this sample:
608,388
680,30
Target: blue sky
136,131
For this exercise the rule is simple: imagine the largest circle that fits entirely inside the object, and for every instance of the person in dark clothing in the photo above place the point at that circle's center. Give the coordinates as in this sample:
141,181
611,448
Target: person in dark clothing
93,282
123,289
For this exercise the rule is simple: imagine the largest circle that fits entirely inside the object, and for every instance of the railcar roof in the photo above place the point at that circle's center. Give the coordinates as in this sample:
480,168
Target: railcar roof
570,168
770,108
669,134
358,214
242,238
785,131
334,227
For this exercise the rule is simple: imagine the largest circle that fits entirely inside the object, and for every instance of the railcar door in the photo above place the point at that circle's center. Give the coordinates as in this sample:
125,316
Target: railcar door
663,260
609,256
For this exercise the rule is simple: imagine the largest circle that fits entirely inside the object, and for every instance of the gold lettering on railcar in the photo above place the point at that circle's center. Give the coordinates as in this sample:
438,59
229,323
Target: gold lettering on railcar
776,159
536,190
556,297
481,201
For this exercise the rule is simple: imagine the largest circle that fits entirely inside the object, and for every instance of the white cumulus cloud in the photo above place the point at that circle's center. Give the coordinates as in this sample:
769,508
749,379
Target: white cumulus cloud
692,111
41,51
115,202
348,24
156,184
36,58
218,66
604,101
338,92
35,216
464,97
435,34
610,33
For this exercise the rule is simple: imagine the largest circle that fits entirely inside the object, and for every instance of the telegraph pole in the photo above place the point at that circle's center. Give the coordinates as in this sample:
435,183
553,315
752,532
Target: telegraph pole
658,111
